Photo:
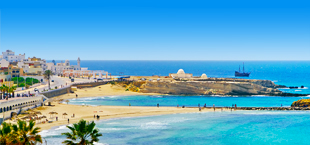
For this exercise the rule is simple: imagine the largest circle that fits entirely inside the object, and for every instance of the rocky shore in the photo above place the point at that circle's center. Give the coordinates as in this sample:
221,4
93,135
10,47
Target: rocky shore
215,86
301,103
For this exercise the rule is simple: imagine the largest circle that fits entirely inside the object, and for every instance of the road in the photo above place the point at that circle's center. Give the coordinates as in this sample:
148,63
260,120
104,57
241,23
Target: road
58,82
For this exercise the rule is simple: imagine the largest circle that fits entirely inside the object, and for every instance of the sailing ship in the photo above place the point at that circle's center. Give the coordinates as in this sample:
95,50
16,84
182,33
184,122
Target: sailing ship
242,74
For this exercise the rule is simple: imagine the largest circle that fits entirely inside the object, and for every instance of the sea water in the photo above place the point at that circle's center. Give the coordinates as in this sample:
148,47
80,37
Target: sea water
289,73
227,128
188,101
214,128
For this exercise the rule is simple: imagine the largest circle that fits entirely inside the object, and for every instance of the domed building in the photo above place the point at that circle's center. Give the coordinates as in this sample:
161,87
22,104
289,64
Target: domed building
181,74
204,76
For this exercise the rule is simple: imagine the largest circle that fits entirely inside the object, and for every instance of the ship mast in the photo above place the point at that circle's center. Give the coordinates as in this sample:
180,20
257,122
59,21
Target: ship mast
243,67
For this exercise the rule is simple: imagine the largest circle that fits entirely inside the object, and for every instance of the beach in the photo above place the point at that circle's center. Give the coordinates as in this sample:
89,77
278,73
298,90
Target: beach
105,112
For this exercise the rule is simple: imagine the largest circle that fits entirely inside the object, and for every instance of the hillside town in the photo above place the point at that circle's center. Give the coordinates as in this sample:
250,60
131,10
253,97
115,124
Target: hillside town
25,76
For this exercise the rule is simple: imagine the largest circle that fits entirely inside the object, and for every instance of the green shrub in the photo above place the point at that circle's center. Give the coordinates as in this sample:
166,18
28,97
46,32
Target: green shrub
21,85
31,81
20,79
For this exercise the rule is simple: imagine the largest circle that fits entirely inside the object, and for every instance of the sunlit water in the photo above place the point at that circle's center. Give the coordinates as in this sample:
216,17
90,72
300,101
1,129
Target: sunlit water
227,128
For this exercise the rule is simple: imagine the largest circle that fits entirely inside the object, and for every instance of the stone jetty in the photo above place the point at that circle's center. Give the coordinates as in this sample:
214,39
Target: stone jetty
259,108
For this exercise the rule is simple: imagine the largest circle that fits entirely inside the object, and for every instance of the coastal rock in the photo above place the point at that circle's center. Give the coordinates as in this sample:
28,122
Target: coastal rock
301,103
214,87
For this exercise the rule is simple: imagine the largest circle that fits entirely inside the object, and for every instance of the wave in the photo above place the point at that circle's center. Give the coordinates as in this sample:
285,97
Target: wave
153,125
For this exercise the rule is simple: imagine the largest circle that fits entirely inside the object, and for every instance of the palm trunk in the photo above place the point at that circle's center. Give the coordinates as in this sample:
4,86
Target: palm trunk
49,84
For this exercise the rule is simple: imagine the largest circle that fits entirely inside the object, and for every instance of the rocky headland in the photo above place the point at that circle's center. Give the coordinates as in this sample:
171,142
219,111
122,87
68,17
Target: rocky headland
212,86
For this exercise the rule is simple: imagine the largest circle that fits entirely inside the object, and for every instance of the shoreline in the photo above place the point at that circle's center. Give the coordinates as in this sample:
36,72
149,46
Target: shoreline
110,112
105,112
87,112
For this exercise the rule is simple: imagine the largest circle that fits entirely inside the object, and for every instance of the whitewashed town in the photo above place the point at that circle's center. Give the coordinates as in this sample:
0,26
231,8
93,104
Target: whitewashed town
23,80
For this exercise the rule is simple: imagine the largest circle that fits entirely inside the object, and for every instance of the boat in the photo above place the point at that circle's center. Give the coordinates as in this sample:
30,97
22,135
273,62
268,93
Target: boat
242,74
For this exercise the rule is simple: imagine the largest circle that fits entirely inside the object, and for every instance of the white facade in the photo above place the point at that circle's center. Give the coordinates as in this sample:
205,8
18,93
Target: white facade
4,63
204,76
59,68
181,74
33,65
10,56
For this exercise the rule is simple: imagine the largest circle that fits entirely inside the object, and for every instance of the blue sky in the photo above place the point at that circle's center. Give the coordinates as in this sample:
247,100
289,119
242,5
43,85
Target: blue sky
157,29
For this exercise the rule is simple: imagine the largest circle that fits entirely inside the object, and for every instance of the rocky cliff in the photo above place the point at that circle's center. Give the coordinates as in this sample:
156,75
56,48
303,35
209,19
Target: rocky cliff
215,87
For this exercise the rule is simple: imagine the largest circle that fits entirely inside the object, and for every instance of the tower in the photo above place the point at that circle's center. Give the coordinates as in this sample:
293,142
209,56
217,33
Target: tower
79,61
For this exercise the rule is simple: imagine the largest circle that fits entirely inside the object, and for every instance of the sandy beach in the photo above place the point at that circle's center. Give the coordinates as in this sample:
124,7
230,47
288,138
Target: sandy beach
105,112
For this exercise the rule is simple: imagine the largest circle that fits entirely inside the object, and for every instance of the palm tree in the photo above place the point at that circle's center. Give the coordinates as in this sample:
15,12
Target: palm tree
6,135
2,90
48,75
27,134
11,90
82,133
6,89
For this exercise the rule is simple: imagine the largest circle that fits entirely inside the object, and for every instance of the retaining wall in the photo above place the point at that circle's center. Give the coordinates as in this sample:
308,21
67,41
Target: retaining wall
65,90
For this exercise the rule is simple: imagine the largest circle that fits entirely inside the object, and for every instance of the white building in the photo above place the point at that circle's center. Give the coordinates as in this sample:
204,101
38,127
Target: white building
181,74
10,56
4,63
33,65
59,68
204,76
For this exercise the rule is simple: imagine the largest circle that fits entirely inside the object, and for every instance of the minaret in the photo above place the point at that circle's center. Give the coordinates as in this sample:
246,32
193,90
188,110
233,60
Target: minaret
79,61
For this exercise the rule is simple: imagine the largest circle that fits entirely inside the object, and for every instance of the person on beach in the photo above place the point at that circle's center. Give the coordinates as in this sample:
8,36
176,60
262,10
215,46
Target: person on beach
199,108
76,95
205,105
157,104
235,106
94,116
73,115
56,118
129,104
68,120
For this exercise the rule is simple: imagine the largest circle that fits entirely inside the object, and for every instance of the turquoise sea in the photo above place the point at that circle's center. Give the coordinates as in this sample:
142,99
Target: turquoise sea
188,101
214,128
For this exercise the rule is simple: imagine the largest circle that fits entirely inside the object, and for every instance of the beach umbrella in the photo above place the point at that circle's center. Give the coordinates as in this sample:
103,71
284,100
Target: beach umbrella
64,114
50,113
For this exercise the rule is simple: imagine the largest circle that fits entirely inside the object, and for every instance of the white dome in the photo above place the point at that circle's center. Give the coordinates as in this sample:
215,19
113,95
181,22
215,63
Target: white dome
204,76
180,71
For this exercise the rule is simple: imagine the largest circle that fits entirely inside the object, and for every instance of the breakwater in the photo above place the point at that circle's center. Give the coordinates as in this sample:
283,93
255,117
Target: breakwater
257,108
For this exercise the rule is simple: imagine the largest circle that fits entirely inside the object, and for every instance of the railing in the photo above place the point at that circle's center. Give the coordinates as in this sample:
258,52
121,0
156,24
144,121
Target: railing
68,86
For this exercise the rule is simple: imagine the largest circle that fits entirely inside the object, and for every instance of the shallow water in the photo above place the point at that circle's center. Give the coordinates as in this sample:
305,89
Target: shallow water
227,128
193,101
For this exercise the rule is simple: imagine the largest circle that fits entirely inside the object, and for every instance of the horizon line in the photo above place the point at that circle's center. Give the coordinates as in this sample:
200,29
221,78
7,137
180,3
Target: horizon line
168,60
